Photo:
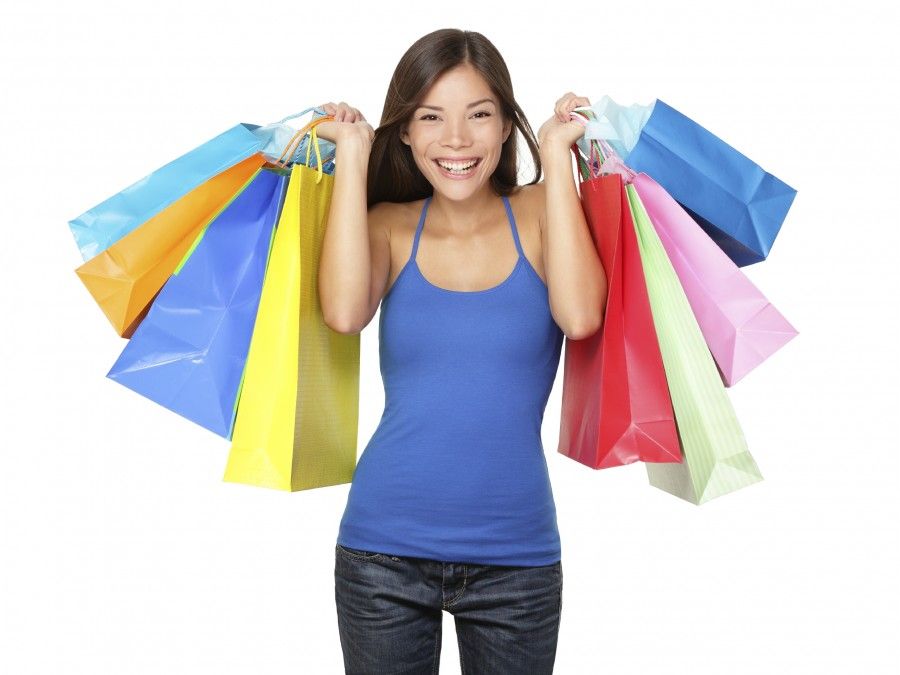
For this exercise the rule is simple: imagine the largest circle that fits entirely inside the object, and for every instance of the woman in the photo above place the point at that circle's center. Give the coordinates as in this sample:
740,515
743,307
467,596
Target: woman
478,279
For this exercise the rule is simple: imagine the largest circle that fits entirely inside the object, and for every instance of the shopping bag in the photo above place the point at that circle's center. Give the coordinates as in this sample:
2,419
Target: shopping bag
716,458
740,205
288,145
618,125
189,353
126,277
99,227
298,408
285,146
740,326
616,407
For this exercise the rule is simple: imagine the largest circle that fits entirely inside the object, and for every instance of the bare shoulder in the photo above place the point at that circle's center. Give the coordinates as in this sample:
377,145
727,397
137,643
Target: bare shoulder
393,217
391,221
395,223
380,216
529,201
532,200
528,204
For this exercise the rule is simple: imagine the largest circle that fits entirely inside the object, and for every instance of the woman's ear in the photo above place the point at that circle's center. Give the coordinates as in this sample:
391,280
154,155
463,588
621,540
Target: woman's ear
404,136
507,130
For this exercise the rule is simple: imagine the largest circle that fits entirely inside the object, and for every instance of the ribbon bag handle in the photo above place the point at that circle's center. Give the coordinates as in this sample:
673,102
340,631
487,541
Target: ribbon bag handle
298,136
297,139
590,169
602,153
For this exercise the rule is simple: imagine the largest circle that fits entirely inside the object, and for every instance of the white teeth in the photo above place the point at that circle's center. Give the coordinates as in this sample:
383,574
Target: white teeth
457,167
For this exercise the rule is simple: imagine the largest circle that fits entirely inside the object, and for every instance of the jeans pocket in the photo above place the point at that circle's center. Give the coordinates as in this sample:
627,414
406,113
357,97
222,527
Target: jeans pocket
358,554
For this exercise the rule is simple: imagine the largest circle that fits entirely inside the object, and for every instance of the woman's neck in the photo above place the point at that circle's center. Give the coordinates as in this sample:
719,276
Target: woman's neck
463,215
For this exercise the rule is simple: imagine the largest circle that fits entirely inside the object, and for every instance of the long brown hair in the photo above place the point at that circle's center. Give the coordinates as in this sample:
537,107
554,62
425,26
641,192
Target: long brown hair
392,172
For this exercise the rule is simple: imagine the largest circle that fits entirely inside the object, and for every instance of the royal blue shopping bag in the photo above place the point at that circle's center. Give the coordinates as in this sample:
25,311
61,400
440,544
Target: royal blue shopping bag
737,203
189,352
100,227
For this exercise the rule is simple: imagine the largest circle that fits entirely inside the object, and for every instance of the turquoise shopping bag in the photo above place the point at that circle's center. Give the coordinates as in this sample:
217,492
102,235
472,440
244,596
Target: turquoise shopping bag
98,228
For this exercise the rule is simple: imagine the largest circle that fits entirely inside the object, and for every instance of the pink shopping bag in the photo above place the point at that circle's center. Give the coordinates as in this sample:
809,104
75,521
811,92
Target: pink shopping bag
740,326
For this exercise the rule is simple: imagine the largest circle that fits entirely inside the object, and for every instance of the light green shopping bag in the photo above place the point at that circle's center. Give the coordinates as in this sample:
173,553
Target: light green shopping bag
716,459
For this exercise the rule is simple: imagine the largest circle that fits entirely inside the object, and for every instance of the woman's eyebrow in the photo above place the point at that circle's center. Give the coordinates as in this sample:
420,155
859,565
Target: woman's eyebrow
471,105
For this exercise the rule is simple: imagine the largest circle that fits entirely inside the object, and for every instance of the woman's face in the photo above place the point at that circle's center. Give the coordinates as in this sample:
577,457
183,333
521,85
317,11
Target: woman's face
458,122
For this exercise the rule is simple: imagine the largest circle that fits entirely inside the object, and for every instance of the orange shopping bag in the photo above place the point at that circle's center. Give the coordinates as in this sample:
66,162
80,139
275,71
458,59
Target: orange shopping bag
125,278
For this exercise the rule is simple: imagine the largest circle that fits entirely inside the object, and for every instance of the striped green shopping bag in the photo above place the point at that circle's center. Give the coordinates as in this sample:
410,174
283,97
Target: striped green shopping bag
716,459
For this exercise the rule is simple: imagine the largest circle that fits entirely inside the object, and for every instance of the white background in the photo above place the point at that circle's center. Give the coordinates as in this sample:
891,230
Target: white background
123,550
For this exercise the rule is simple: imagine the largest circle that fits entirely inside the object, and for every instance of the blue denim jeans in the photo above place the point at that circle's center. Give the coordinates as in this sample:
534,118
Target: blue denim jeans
390,612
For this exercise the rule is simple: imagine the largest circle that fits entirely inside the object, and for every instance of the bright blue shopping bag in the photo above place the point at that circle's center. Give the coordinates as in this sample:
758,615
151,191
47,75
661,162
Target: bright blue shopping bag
740,206
189,352
103,225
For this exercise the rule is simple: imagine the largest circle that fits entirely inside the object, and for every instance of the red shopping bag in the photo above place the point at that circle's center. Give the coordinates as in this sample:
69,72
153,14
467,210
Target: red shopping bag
616,407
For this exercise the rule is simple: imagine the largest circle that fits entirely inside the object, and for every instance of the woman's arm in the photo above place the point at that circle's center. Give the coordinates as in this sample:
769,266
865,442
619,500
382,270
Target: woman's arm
355,257
344,263
576,279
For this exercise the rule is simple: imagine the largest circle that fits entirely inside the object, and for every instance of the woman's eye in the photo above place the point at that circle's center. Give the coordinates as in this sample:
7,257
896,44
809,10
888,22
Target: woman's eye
480,112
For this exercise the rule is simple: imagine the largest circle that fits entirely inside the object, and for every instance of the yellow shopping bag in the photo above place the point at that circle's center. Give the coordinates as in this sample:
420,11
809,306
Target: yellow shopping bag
298,411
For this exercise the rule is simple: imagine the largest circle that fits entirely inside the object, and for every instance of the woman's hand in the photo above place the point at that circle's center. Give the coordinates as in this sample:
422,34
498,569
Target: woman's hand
348,122
561,130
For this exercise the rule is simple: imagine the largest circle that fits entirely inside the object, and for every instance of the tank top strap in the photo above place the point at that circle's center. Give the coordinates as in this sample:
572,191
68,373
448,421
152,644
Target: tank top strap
509,215
415,246
513,226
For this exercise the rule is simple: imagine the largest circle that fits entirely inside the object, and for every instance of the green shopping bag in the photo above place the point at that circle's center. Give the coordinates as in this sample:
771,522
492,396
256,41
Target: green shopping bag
716,459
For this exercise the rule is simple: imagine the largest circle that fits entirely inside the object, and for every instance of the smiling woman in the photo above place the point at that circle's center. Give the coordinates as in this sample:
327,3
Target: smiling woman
451,506
418,111
457,167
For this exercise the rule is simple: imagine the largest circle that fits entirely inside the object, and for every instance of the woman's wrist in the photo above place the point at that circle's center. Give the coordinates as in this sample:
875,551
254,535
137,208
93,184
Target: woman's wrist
551,150
555,155
355,144
360,133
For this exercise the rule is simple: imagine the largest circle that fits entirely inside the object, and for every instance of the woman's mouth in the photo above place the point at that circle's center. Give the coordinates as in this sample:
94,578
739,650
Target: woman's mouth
457,170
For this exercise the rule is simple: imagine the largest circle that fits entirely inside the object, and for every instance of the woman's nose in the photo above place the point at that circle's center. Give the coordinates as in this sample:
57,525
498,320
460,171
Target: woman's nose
455,134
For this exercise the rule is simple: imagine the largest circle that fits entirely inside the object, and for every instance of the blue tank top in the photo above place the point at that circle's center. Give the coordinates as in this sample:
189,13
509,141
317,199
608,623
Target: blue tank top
456,470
